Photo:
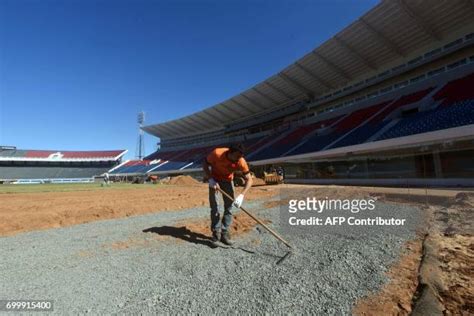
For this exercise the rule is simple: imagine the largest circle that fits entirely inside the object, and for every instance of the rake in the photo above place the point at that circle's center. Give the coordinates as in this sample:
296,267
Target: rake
271,231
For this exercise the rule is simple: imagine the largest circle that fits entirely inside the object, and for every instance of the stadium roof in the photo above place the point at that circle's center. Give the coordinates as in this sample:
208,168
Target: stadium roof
390,31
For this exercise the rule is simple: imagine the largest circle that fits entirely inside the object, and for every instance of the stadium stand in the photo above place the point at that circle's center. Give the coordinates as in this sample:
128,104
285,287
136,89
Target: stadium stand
135,167
382,85
47,173
375,123
111,154
368,128
457,114
172,165
291,140
19,165
456,90
344,130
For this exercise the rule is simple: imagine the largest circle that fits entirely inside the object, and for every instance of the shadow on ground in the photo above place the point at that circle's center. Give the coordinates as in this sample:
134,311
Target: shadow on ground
182,233
185,234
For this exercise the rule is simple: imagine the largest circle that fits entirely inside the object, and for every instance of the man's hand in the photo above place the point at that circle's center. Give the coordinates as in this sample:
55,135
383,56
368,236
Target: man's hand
213,184
239,200
248,183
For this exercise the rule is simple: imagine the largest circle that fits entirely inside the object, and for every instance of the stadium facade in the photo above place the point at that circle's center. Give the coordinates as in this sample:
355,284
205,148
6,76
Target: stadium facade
387,100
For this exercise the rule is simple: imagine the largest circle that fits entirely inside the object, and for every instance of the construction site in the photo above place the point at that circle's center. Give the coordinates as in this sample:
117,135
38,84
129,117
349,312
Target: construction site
343,184
147,249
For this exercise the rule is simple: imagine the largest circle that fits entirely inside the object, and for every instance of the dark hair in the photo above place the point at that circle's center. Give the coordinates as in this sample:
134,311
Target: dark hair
236,147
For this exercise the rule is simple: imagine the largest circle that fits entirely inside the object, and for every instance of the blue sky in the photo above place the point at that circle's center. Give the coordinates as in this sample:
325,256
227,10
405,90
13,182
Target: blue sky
74,74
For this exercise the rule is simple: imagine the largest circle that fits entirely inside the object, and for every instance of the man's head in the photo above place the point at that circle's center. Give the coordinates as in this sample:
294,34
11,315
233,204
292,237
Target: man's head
235,152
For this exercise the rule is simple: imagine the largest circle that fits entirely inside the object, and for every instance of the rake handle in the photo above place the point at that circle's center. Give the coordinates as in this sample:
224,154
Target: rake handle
271,231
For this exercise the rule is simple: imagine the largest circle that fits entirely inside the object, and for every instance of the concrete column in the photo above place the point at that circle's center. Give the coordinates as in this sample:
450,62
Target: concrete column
437,164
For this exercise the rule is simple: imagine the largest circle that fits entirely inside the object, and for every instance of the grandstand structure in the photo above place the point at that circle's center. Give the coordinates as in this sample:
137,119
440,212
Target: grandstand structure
387,100
55,166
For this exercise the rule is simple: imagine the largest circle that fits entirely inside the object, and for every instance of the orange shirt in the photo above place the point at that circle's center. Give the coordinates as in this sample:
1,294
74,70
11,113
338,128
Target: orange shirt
222,168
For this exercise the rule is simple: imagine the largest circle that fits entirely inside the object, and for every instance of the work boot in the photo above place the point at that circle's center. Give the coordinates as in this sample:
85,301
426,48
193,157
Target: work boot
216,235
226,238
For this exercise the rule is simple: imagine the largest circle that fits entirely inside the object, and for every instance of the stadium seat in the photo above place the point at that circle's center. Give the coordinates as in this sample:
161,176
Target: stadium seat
171,165
290,140
379,121
458,114
16,153
49,164
134,167
353,128
343,126
456,90
42,172
73,154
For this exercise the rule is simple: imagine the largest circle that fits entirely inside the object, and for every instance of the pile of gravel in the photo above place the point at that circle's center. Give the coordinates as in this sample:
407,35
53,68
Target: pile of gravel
114,266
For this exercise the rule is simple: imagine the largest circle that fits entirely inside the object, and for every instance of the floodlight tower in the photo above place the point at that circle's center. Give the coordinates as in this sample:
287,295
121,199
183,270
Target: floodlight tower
140,151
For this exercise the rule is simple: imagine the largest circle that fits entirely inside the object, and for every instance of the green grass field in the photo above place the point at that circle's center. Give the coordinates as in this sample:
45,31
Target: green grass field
32,188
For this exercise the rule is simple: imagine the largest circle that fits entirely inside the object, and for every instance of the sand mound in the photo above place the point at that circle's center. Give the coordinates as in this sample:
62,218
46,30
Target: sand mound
465,199
183,180
258,182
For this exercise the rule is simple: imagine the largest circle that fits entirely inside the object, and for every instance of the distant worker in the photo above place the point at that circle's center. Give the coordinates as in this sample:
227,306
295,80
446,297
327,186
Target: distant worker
106,179
219,167
281,172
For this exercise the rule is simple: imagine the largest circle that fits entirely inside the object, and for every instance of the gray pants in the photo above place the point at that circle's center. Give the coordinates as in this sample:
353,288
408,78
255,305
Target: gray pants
227,187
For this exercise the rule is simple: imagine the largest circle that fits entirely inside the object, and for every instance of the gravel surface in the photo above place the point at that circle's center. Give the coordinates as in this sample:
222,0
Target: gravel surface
113,267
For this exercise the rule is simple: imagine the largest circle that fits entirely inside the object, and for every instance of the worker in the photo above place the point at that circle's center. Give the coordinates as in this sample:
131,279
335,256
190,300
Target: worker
219,167
106,179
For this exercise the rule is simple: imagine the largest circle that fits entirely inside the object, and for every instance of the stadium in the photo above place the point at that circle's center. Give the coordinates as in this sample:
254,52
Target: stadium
372,105
380,114
369,106
55,166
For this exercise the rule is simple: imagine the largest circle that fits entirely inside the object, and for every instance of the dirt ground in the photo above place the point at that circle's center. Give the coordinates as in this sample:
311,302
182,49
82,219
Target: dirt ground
440,261
395,298
22,212
435,272
449,256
